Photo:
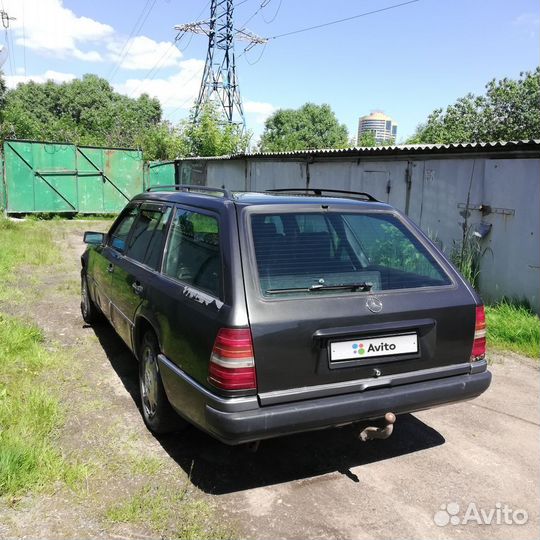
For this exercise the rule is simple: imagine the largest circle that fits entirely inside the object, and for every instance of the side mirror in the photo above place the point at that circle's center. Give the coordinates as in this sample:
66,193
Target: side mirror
94,238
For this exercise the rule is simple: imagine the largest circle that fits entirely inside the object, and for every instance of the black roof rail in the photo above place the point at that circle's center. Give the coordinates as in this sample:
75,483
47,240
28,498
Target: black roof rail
189,187
317,192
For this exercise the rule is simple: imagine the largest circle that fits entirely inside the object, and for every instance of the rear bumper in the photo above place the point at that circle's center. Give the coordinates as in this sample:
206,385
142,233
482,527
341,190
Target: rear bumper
245,426
240,420
265,422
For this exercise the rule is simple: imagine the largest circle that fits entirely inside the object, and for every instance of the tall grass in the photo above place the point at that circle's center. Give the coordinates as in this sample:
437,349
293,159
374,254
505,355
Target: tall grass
513,327
23,243
466,256
29,413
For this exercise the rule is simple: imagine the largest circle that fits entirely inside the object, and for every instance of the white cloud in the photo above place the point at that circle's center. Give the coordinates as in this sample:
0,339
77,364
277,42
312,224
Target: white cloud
13,80
144,53
260,110
51,28
178,91
90,56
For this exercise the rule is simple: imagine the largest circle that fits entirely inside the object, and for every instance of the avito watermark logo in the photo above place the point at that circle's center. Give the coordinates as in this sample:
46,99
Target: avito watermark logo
500,514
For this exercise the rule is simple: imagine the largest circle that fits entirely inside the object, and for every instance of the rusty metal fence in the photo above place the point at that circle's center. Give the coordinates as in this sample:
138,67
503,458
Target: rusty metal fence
64,178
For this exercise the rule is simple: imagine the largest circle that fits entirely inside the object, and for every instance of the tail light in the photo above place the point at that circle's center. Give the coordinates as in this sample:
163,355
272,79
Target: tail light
479,344
232,364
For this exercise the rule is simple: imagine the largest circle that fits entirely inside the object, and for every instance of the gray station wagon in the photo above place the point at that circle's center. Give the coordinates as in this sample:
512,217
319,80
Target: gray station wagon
254,315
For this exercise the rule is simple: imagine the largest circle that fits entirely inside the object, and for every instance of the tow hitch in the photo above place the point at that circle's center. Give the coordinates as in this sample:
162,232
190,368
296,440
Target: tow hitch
379,432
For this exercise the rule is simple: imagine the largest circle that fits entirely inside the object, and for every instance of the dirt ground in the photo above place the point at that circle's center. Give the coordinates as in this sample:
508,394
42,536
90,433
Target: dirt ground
323,484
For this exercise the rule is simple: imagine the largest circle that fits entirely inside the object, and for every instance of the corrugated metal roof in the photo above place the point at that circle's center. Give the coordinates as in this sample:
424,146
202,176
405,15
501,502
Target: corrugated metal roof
531,145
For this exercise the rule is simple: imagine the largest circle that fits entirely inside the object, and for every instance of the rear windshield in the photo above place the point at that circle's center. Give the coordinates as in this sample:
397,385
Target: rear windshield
328,252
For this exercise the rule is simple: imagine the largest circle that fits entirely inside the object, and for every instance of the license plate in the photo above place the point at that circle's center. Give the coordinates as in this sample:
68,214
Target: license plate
372,347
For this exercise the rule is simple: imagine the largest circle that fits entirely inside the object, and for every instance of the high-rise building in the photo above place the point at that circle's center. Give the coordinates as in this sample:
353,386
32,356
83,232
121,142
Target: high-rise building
380,124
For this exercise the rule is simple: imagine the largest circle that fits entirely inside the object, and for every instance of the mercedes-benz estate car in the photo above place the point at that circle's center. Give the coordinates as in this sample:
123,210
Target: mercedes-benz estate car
254,315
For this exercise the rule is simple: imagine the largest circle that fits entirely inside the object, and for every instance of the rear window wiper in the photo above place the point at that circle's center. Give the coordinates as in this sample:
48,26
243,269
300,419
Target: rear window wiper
364,286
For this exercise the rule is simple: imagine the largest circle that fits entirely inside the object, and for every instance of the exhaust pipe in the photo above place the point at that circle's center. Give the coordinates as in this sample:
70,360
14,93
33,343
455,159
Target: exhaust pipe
373,432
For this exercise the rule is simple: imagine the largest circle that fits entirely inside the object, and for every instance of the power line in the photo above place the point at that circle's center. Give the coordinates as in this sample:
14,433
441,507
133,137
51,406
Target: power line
152,72
23,38
5,18
186,101
262,5
130,36
342,20
208,5
272,19
258,58
135,30
219,81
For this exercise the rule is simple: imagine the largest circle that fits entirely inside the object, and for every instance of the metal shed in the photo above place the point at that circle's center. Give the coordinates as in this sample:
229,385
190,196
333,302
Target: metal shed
493,186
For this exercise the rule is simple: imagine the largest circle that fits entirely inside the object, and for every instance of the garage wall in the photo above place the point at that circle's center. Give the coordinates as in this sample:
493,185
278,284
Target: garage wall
501,193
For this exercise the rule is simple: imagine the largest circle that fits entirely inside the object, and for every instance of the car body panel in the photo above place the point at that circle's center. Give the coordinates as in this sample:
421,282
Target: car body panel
443,317
292,336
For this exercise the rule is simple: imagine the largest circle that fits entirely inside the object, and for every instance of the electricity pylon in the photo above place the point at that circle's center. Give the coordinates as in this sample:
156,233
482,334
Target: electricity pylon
219,82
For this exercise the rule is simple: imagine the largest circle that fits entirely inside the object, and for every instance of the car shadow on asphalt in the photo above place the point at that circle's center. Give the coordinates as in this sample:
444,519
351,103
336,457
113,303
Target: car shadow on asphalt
218,469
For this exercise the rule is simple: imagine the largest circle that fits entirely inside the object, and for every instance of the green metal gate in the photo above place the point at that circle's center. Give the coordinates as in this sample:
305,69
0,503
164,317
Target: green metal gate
108,178
161,173
2,187
179,171
56,177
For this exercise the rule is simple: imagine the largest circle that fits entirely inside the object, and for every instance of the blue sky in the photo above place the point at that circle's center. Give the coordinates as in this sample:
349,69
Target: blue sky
405,61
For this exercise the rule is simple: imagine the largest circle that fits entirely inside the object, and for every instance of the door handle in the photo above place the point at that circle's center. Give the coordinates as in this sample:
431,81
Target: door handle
110,268
137,287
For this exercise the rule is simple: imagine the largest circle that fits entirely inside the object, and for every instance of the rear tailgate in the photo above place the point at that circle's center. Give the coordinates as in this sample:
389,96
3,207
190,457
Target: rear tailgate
316,343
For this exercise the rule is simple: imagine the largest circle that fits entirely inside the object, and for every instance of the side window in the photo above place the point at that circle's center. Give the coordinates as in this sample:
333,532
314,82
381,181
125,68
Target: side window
193,254
147,238
119,234
155,249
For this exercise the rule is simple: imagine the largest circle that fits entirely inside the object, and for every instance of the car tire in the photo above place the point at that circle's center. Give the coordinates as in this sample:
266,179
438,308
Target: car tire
157,412
91,314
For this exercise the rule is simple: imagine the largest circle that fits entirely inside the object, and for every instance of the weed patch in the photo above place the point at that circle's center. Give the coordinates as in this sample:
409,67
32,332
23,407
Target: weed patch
171,514
24,243
513,327
29,414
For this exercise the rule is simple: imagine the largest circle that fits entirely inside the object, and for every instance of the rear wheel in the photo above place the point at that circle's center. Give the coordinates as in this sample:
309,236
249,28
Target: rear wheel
158,414
90,312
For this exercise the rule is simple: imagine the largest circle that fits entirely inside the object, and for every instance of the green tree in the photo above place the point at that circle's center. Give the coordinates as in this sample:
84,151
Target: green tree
211,135
82,111
161,142
368,139
89,111
3,90
509,110
309,127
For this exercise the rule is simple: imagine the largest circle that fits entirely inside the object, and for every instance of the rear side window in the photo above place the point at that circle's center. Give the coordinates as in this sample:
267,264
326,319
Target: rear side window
329,252
120,232
146,240
193,254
